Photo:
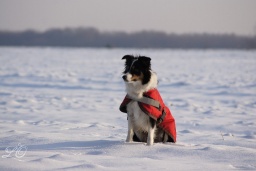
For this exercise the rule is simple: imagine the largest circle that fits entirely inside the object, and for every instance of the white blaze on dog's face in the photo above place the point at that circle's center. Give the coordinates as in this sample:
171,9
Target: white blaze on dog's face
137,70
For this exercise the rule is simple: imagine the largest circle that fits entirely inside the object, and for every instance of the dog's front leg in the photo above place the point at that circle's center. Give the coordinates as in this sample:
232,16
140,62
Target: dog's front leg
130,130
151,131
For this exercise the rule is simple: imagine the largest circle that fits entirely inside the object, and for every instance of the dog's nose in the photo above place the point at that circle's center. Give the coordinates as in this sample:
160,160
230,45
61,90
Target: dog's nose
124,77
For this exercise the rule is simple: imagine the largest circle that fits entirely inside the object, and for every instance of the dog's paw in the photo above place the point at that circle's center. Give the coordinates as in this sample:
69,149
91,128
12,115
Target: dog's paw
150,143
128,140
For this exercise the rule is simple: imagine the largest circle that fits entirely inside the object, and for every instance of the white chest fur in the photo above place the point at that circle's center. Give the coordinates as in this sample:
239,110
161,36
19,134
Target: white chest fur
139,119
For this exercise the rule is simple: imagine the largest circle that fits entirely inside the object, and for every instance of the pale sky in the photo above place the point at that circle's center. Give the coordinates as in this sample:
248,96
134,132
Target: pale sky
171,16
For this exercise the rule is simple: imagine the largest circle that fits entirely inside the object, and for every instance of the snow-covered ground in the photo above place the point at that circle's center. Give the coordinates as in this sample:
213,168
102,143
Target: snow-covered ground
59,110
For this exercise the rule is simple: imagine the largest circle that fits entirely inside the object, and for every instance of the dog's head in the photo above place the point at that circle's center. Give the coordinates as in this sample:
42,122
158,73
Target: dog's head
137,69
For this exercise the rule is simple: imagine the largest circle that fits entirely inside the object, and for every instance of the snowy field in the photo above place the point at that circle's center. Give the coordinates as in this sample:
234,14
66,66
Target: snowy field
59,110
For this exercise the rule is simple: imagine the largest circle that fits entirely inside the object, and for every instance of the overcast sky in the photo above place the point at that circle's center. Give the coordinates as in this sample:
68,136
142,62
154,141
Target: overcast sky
171,16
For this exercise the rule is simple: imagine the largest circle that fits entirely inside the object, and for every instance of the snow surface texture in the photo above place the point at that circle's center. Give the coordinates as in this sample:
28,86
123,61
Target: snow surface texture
59,110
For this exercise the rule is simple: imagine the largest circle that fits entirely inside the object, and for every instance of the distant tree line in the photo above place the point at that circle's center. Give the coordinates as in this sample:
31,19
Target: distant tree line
91,37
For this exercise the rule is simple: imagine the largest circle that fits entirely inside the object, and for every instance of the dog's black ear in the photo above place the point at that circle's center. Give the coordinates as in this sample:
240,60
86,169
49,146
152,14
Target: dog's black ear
145,60
128,62
128,57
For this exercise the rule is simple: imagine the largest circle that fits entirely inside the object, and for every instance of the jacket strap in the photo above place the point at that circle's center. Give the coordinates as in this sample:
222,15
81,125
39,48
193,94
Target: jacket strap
147,101
160,120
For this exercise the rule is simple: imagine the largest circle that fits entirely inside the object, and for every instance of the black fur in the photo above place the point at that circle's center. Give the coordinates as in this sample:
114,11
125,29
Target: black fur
128,62
152,122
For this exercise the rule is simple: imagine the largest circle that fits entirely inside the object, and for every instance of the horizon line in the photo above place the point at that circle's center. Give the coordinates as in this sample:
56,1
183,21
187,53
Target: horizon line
122,31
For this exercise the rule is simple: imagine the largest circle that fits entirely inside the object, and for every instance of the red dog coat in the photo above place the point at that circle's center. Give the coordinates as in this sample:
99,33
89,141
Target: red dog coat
161,114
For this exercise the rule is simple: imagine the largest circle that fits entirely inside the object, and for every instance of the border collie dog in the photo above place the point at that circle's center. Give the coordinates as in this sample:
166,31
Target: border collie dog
145,120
